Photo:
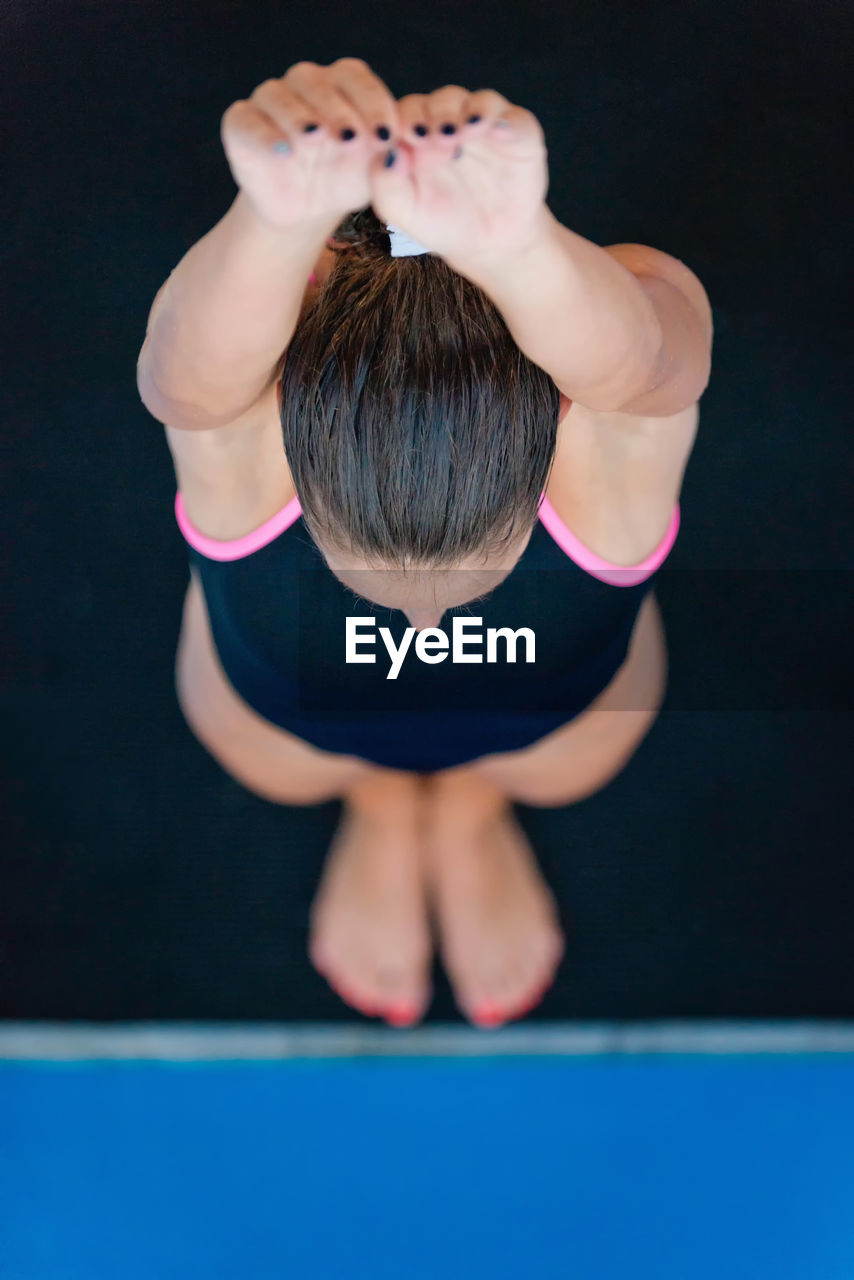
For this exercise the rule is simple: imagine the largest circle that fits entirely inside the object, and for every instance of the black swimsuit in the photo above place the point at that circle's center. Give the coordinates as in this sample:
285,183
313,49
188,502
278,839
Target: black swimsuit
278,618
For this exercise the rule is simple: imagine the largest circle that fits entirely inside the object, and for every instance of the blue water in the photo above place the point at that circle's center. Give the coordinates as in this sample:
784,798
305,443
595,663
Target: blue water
505,1169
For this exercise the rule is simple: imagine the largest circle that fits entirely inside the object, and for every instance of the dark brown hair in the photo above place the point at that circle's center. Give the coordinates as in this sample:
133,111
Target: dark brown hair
416,431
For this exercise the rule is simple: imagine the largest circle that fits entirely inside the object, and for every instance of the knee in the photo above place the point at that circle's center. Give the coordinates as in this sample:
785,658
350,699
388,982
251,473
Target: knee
288,782
604,771
582,774
295,789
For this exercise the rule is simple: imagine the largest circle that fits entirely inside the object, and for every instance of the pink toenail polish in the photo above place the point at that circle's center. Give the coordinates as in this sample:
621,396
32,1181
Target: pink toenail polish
401,1015
487,1015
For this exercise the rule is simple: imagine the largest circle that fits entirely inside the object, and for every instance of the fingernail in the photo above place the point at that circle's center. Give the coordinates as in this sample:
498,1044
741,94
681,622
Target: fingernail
390,159
383,133
282,146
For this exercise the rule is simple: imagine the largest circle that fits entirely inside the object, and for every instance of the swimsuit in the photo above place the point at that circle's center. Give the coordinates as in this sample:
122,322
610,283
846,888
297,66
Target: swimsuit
278,619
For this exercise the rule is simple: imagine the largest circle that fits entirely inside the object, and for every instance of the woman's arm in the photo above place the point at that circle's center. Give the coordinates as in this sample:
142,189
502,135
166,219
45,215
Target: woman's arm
218,326
627,328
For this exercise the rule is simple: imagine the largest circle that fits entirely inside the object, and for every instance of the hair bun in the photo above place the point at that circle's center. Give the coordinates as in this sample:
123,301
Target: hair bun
363,230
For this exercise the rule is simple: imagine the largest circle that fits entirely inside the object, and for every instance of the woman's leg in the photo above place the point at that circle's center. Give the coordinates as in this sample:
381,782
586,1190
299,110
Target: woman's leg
265,759
370,931
581,757
496,919
370,934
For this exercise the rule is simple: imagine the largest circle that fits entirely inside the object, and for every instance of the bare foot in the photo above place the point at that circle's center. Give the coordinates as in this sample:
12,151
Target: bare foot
370,931
496,919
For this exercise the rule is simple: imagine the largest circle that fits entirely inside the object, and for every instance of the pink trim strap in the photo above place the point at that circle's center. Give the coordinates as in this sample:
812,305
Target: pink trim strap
595,565
236,548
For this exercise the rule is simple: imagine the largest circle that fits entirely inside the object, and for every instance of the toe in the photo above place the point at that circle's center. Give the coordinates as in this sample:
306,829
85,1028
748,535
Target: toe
401,996
318,956
354,992
523,989
405,1013
485,1003
503,984
550,955
541,971
531,981
347,987
533,996
477,993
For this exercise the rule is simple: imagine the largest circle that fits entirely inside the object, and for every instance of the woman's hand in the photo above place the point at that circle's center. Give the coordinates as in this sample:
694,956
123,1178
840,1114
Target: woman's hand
486,203
293,178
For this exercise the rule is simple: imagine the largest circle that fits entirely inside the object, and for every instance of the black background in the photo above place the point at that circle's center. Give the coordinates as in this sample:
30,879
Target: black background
713,877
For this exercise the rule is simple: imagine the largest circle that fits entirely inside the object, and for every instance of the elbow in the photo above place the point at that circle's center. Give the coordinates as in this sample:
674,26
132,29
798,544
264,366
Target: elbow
678,386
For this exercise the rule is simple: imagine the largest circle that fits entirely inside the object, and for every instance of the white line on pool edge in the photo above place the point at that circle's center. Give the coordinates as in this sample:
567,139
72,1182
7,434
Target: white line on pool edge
192,1041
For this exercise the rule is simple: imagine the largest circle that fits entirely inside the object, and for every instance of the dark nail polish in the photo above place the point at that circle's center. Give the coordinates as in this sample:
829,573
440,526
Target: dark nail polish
472,119
421,130
390,159
449,128
347,135
310,128
383,133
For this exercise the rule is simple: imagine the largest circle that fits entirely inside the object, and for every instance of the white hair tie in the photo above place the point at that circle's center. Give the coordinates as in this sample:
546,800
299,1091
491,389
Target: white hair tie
401,245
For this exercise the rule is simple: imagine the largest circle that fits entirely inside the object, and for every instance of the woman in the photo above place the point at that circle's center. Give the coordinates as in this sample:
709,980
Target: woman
437,599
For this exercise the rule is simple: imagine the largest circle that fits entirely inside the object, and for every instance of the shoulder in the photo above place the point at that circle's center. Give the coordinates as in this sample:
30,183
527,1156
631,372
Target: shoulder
234,477
617,477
